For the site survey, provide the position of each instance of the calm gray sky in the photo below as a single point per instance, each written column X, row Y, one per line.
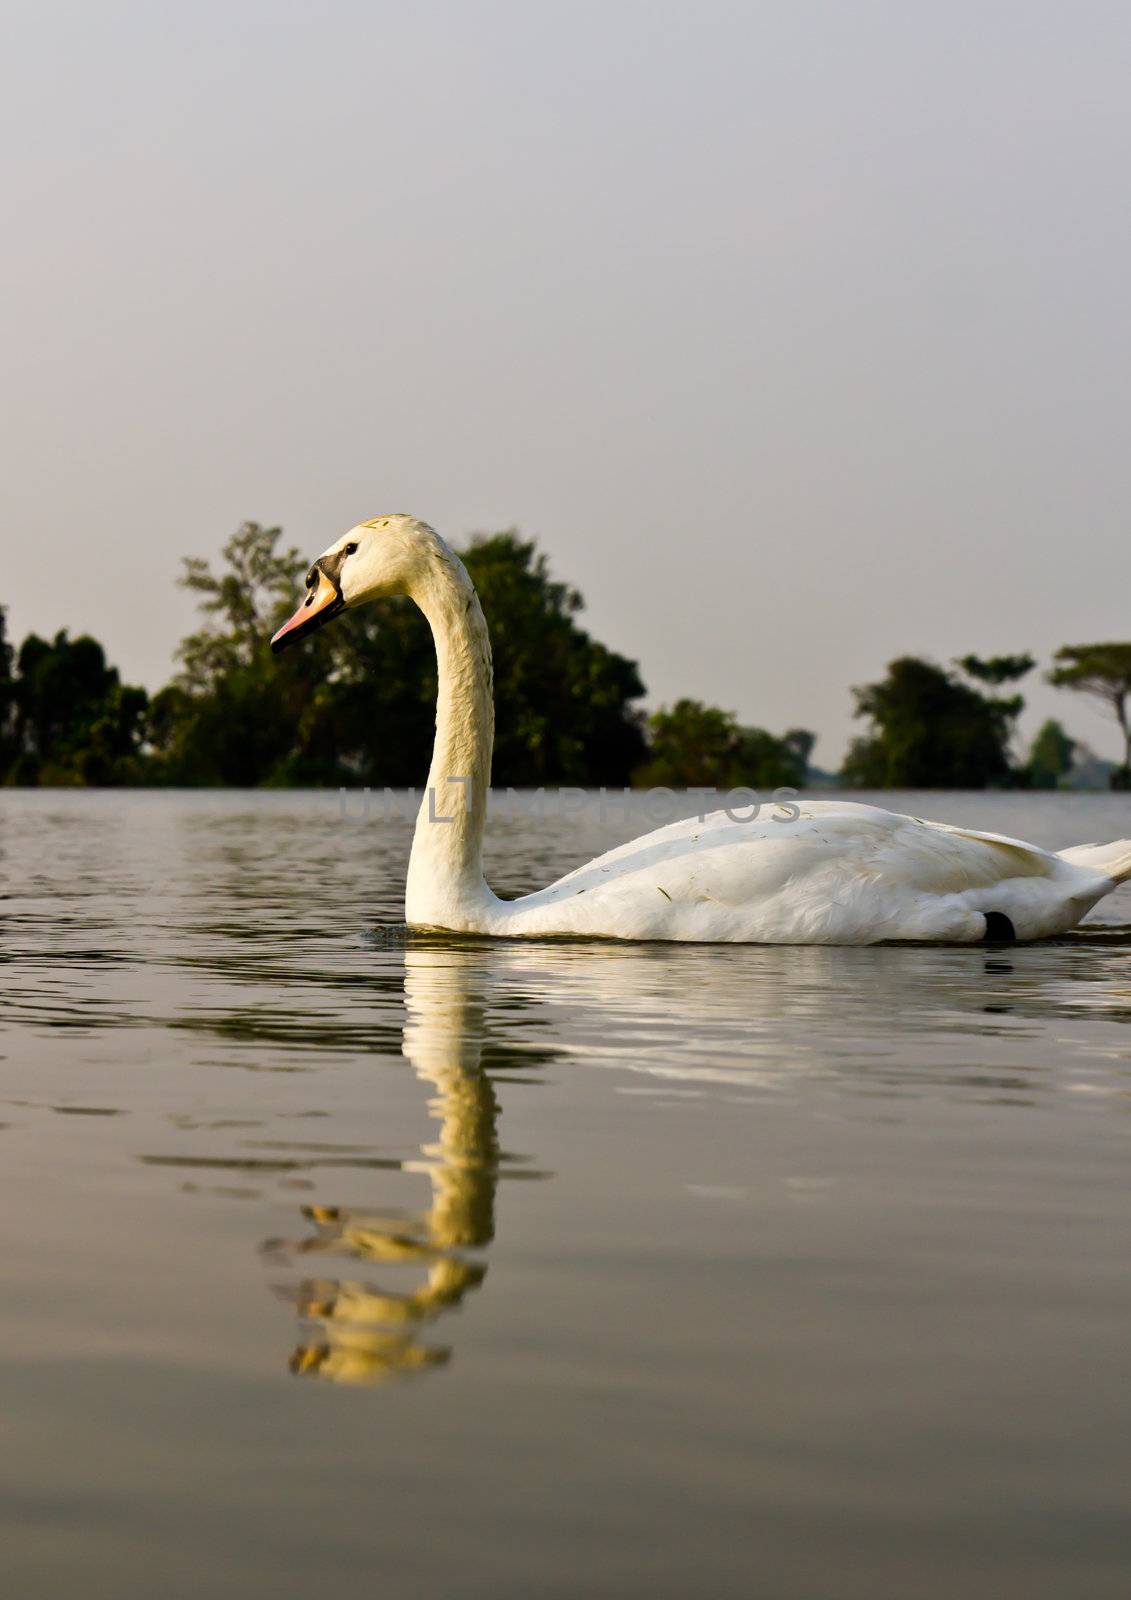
column 797, row 332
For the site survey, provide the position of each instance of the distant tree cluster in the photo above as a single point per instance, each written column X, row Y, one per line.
column 65, row 716
column 1104, row 672
column 934, row 729
column 692, row 745
column 357, row 706
column 931, row 730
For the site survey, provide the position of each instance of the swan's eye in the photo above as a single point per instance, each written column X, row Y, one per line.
column 351, row 550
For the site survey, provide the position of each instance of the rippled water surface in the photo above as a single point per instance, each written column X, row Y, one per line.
column 336, row 1262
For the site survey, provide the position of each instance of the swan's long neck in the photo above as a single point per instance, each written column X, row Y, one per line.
column 445, row 870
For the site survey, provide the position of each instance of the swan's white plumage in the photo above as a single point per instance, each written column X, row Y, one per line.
column 838, row 873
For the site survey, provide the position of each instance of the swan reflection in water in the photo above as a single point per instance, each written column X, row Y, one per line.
column 753, row 1022
column 366, row 1333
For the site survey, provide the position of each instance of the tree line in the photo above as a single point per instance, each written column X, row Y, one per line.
column 358, row 707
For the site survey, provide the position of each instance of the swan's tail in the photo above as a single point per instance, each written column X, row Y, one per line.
column 1113, row 860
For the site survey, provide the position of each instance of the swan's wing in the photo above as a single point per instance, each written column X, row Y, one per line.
column 935, row 858
column 835, row 873
column 760, row 853
column 715, row 829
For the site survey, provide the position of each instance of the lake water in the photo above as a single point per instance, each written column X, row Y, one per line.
column 339, row 1262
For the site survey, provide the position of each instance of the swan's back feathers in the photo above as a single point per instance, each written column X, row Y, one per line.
column 836, row 872
column 934, row 857
column 1110, row 860
column 930, row 857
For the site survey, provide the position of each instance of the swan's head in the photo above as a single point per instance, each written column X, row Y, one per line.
column 385, row 556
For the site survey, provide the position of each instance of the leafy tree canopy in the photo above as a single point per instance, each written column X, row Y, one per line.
column 358, row 703
column 929, row 731
column 693, row 745
column 1104, row 672
column 72, row 719
column 1050, row 759
column 997, row 669
column 7, row 700
column 234, row 714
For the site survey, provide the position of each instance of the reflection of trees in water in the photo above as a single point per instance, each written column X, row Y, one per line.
column 367, row 1332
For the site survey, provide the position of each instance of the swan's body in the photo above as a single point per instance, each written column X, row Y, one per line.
column 837, row 873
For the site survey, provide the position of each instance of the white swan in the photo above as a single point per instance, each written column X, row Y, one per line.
column 836, row 873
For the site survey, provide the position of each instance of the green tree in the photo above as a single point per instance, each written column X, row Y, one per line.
column 75, row 721
column 1104, row 672
column 563, row 700
column 233, row 714
column 692, row 745
column 1050, row 758
column 7, row 701
column 358, row 702
column 929, row 731
column 997, row 670
column 763, row 761
column 247, row 599
column 799, row 742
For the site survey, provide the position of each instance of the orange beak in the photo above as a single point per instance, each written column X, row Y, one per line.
column 323, row 601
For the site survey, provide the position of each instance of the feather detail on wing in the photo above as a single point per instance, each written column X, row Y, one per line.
column 1004, row 858
column 1112, row 860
